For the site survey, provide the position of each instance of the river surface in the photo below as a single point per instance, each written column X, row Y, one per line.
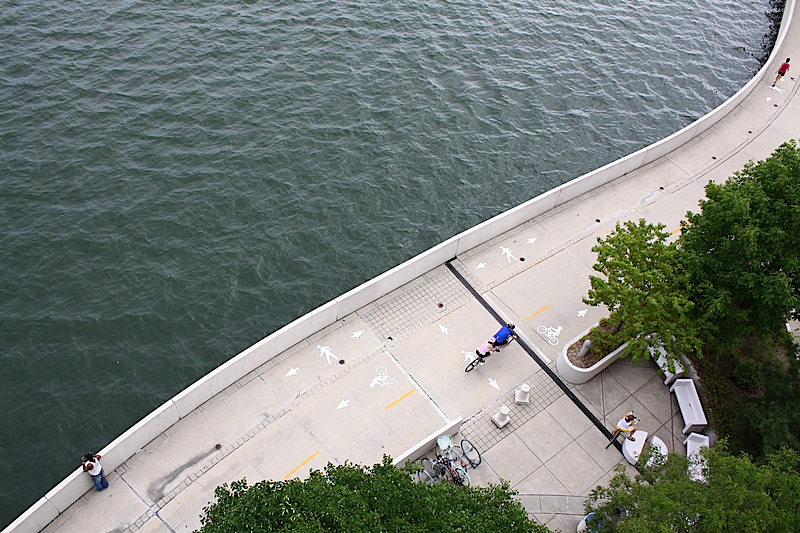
column 180, row 179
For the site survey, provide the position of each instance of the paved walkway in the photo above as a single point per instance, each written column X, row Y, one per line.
column 402, row 371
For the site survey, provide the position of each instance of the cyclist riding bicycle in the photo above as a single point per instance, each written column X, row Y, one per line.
column 500, row 339
column 503, row 337
column 486, row 349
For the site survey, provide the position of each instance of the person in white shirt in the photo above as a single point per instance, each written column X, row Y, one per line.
column 91, row 464
column 624, row 426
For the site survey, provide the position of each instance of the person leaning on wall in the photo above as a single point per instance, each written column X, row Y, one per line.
column 91, row 465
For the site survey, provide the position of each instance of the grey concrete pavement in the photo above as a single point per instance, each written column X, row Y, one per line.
column 401, row 374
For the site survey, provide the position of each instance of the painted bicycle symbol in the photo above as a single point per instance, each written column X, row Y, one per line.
column 382, row 379
column 551, row 333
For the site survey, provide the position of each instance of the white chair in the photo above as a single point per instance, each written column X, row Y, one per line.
column 632, row 449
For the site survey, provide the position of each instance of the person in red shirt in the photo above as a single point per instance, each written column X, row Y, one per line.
column 782, row 71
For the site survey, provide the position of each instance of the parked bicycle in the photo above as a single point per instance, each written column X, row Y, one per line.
column 443, row 468
column 452, row 462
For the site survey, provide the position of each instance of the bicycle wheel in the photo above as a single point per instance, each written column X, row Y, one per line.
column 428, row 470
column 460, row 477
column 471, row 453
column 473, row 364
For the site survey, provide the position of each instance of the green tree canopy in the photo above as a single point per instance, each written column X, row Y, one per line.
column 770, row 420
column 741, row 250
column 357, row 499
column 642, row 288
column 739, row 495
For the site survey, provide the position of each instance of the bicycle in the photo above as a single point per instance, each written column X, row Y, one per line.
column 443, row 468
column 475, row 362
column 481, row 358
column 459, row 457
column 467, row 454
column 452, row 463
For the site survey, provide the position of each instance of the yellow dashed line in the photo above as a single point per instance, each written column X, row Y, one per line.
column 401, row 398
column 537, row 312
column 301, row 464
column 676, row 231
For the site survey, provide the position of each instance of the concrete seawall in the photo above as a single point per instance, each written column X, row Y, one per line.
column 76, row 485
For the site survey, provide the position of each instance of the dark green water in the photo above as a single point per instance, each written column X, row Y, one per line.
column 180, row 179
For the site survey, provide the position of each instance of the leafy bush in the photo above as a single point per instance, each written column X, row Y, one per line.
column 739, row 495
column 748, row 375
column 604, row 340
column 354, row 498
column 765, row 422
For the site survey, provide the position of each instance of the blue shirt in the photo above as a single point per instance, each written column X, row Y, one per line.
column 502, row 336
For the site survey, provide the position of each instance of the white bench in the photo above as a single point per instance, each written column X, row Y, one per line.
column 632, row 449
column 661, row 361
column 697, row 462
column 694, row 418
column 659, row 446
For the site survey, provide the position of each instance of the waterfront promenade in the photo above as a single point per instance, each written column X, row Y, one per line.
column 383, row 378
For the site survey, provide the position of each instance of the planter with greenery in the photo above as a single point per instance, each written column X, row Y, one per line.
column 606, row 347
column 643, row 287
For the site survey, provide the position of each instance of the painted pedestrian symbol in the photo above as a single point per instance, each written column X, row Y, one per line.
column 507, row 252
column 326, row 351
column 383, row 379
column 551, row 333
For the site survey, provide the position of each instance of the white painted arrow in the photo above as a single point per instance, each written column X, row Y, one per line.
column 357, row 334
column 344, row 403
column 582, row 313
column 532, row 240
column 494, row 384
column 468, row 356
column 444, row 329
column 769, row 98
column 291, row 372
column 480, row 266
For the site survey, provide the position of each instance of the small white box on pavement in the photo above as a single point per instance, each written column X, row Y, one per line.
column 522, row 396
column 501, row 418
